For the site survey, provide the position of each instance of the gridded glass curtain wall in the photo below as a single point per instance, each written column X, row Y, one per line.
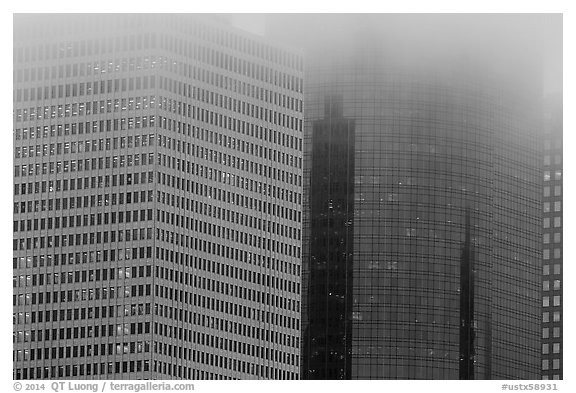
column 422, row 250
column 157, row 194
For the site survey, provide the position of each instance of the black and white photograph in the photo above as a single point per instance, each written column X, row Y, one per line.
column 286, row 196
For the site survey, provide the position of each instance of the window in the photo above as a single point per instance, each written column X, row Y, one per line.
column 558, row 175
column 557, row 190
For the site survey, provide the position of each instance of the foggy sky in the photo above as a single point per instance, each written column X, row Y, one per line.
column 510, row 42
column 504, row 41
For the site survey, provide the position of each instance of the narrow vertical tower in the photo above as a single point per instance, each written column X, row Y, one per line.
column 467, row 305
column 552, row 240
column 327, row 333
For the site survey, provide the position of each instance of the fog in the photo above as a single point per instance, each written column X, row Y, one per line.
column 507, row 43
column 514, row 44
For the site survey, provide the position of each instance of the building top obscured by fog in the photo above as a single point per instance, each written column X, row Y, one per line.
column 512, row 45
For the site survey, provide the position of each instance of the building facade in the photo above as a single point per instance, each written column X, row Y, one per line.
column 552, row 251
column 422, row 217
column 157, row 194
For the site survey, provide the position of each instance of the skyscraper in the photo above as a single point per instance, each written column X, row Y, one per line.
column 552, row 251
column 422, row 213
column 157, row 194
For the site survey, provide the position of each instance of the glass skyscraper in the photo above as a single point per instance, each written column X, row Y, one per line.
column 422, row 216
column 195, row 202
column 157, row 193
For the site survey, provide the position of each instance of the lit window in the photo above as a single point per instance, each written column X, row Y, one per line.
column 546, row 317
column 546, row 285
column 556, row 348
column 556, row 300
column 545, row 301
column 558, row 175
column 545, row 349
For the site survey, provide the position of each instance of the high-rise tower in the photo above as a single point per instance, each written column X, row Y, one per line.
column 422, row 234
column 157, row 193
column 552, row 238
